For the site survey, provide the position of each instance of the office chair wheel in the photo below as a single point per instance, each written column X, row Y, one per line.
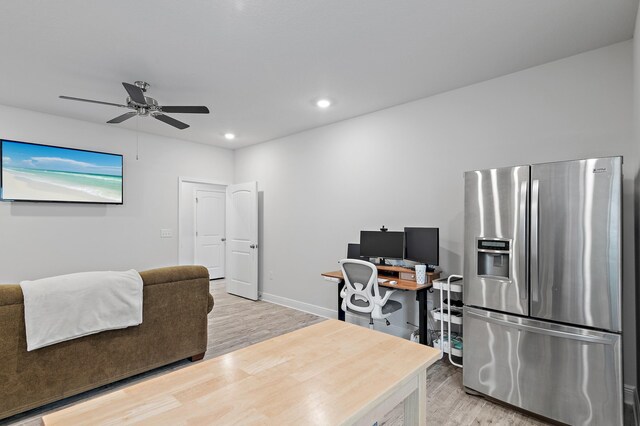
column 387, row 321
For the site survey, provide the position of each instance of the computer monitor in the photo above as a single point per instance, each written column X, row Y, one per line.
column 353, row 251
column 422, row 245
column 382, row 244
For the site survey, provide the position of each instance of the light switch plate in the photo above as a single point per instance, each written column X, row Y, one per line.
column 166, row 233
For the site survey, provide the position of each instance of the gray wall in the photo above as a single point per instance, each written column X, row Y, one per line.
column 403, row 167
column 38, row 240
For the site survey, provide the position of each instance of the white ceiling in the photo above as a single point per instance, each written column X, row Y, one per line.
column 258, row 65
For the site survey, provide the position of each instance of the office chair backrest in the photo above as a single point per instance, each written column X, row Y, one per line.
column 361, row 284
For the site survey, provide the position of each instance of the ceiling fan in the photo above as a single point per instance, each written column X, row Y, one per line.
column 144, row 106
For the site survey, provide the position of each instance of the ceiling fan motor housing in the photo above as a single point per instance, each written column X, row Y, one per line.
column 144, row 110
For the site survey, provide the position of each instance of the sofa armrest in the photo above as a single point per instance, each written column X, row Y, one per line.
column 174, row 274
column 10, row 294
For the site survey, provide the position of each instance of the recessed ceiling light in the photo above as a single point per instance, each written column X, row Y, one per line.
column 323, row 103
column 229, row 136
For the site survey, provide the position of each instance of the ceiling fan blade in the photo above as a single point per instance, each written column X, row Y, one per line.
column 171, row 121
column 92, row 101
column 186, row 109
column 136, row 93
column 121, row 118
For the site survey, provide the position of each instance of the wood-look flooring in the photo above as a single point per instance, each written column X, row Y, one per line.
column 236, row 322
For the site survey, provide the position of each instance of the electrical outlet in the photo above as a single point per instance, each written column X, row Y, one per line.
column 166, row 233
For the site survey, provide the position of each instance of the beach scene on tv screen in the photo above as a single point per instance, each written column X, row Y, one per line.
column 45, row 173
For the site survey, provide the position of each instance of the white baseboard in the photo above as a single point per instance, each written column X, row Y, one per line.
column 332, row 314
column 300, row 306
column 631, row 398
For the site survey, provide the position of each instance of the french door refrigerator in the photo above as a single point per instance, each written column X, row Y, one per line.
column 542, row 294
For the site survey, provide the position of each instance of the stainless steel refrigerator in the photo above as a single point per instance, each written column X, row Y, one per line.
column 542, row 270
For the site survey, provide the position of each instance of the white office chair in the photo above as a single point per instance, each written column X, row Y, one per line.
column 361, row 294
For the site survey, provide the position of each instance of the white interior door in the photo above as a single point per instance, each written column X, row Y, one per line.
column 210, row 227
column 242, row 240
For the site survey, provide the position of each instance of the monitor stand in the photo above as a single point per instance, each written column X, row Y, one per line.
column 382, row 262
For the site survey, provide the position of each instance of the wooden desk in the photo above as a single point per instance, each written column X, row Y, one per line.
column 401, row 284
column 406, row 285
column 331, row 373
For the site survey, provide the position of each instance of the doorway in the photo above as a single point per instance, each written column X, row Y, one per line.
column 211, row 213
column 201, row 227
column 209, row 249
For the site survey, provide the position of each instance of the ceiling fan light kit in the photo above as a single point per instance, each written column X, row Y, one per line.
column 145, row 106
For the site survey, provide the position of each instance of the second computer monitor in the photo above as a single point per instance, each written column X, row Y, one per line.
column 382, row 244
column 353, row 251
column 422, row 245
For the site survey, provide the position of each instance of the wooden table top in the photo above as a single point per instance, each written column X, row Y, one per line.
column 402, row 284
column 329, row 373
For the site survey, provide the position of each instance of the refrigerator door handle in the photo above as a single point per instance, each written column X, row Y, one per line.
column 539, row 330
column 523, row 232
column 535, row 284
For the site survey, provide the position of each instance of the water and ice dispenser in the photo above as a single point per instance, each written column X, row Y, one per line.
column 493, row 258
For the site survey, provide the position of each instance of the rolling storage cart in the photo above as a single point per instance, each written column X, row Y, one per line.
column 449, row 342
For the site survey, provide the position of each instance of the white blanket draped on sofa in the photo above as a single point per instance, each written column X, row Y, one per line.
column 71, row 306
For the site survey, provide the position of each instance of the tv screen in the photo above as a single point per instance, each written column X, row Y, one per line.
column 32, row 172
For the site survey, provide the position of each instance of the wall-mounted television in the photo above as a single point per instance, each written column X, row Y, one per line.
column 45, row 173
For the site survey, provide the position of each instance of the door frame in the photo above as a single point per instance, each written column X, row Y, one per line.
column 181, row 213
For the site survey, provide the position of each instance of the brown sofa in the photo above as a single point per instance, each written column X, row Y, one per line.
column 174, row 327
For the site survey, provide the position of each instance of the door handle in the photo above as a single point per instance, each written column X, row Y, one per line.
column 535, row 219
column 253, row 246
column 223, row 239
column 523, row 244
column 539, row 330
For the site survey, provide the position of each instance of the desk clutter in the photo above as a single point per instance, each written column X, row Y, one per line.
column 395, row 277
column 404, row 273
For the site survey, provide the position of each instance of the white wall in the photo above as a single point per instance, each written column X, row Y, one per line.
column 38, row 240
column 403, row 167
